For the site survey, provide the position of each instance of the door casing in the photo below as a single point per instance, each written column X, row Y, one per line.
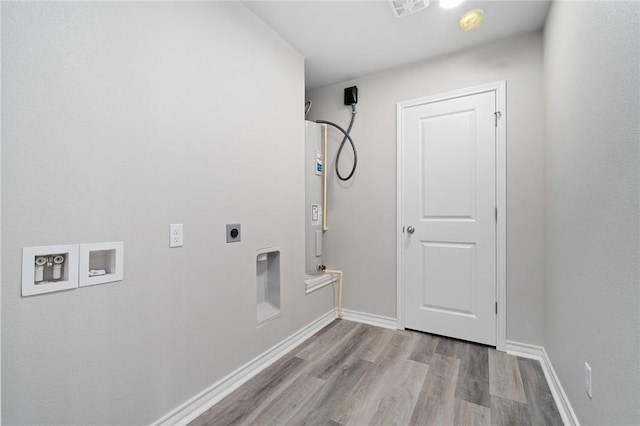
column 500, row 88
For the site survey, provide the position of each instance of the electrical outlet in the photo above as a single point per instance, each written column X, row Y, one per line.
column 175, row 235
column 587, row 380
column 233, row 233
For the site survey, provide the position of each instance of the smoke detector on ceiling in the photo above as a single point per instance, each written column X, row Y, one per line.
column 401, row 8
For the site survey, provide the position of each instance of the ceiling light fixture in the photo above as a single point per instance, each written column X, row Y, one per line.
column 401, row 8
column 450, row 4
column 471, row 20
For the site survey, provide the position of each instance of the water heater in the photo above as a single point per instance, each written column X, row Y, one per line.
column 315, row 199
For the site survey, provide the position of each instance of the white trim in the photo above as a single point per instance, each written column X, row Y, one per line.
column 200, row 403
column 560, row 397
column 524, row 350
column 500, row 88
column 371, row 319
column 0, row 227
column 316, row 282
column 501, row 226
column 399, row 217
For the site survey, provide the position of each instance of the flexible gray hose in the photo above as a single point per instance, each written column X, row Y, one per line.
column 346, row 136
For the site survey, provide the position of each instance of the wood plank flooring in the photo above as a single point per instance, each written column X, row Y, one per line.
column 355, row 374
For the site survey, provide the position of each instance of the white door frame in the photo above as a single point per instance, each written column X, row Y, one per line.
column 500, row 89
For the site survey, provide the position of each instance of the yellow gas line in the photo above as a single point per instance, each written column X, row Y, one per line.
column 324, row 213
column 324, row 177
column 340, row 274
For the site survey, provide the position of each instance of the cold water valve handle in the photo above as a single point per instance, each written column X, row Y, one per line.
column 57, row 266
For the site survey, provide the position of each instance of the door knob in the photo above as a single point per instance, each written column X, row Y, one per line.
column 411, row 229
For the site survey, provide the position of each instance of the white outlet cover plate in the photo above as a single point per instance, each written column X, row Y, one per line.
column 176, row 236
column 29, row 254
column 117, row 263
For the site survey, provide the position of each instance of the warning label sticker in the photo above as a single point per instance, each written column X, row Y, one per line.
column 318, row 169
column 316, row 214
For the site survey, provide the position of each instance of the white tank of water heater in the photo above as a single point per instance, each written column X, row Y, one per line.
column 314, row 196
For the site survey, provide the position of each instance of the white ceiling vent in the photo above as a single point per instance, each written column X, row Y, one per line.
column 401, row 8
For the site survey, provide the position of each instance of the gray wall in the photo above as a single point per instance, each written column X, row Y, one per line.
column 119, row 119
column 362, row 216
column 592, row 297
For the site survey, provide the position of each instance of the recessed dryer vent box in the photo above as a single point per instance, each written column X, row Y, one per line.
column 49, row 268
column 268, row 284
column 101, row 263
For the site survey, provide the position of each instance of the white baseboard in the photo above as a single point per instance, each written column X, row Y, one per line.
column 371, row 319
column 200, row 403
column 538, row 353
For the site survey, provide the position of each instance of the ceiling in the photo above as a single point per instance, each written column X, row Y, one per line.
column 343, row 40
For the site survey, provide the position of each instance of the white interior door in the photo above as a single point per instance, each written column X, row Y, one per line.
column 449, row 217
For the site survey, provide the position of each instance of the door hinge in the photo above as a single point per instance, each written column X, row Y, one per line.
column 496, row 210
column 496, row 308
column 497, row 115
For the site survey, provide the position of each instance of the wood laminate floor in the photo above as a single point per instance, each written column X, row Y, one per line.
column 355, row 374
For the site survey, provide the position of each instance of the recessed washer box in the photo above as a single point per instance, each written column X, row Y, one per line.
column 101, row 263
column 49, row 268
